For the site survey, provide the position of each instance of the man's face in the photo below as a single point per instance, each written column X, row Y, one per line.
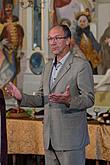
column 83, row 22
column 57, row 41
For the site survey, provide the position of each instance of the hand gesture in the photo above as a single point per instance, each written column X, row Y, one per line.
column 62, row 98
column 13, row 91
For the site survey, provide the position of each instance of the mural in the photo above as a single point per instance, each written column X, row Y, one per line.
column 67, row 9
column 86, row 41
column 11, row 40
column 105, row 49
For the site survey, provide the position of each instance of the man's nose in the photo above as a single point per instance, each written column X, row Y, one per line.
column 54, row 40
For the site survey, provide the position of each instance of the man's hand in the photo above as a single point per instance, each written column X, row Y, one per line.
column 13, row 91
column 62, row 98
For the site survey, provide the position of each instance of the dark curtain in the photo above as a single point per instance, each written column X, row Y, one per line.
column 3, row 130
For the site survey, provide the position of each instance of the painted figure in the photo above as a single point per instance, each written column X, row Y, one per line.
column 12, row 38
column 65, row 9
column 105, row 50
column 86, row 40
column 8, row 14
column 6, row 70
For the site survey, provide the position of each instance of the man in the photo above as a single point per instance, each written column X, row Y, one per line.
column 66, row 92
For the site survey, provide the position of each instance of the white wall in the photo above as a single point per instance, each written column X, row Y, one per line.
column 103, row 16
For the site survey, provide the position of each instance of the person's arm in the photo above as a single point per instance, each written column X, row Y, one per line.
column 13, row 91
column 36, row 100
column 25, row 100
column 85, row 84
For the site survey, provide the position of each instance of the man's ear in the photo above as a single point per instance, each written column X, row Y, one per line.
column 68, row 41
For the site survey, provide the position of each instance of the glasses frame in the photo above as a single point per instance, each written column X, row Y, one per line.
column 56, row 38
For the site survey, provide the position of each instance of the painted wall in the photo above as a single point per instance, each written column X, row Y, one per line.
column 102, row 99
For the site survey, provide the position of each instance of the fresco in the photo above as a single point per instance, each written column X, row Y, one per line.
column 11, row 41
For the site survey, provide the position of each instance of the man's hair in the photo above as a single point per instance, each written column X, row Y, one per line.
column 67, row 32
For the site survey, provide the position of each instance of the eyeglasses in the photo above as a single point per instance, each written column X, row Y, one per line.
column 56, row 38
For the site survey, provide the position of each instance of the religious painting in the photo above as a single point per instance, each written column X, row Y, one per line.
column 11, row 41
column 65, row 12
column 103, row 34
column 74, row 13
column 68, row 9
column 15, row 7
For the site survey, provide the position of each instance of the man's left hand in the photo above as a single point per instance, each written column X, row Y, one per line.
column 62, row 98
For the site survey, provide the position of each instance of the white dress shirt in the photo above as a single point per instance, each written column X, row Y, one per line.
column 57, row 68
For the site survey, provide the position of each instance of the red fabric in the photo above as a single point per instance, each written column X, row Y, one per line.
column 58, row 4
column 61, row 3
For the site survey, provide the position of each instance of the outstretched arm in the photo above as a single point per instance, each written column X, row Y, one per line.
column 13, row 91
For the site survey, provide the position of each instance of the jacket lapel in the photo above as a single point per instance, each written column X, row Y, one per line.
column 67, row 65
column 63, row 70
column 47, row 75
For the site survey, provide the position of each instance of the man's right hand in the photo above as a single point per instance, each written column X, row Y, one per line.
column 13, row 91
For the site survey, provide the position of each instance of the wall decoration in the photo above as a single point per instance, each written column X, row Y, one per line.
column 67, row 10
column 11, row 37
column 37, row 62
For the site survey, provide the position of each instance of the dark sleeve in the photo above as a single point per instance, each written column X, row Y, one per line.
column 95, row 43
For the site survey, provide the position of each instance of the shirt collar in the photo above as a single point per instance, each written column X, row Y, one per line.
column 63, row 59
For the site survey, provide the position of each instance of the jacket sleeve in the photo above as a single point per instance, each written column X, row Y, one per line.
column 36, row 100
column 85, row 84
